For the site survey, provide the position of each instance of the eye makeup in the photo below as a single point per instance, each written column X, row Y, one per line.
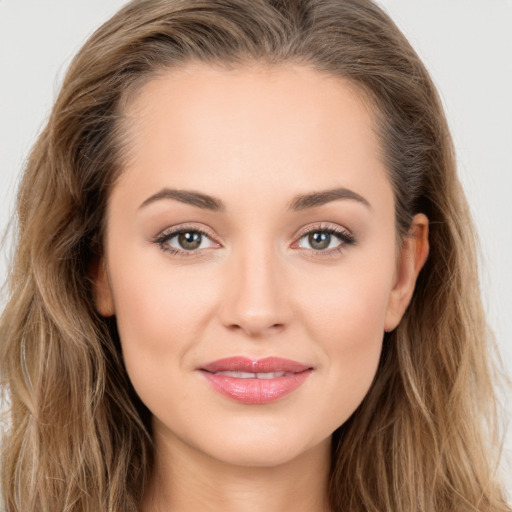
column 186, row 241
column 318, row 240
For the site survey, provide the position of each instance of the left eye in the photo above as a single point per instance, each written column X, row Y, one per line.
column 187, row 240
column 322, row 240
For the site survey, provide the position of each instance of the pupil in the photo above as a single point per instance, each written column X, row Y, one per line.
column 189, row 240
column 319, row 240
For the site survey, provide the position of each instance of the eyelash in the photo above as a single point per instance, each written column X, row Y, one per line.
column 163, row 239
column 344, row 236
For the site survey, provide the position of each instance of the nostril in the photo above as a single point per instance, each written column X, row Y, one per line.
column 255, row 330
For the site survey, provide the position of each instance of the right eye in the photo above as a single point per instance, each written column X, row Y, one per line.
column 185, row 241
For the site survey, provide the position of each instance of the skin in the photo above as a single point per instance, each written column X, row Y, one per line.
column 255, row 138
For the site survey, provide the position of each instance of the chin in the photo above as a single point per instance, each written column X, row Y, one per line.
column 265, row 448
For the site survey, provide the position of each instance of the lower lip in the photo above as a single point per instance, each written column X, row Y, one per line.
column 256, row 391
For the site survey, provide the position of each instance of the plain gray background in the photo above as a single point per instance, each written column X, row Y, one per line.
column 466, row 45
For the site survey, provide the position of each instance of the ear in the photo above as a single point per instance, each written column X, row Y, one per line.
column 102, row 292
column 412, row 257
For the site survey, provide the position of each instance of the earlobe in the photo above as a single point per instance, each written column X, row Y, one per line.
column 412, row 258
column 103, row 299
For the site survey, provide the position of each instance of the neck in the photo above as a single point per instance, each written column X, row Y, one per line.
column 185, row 480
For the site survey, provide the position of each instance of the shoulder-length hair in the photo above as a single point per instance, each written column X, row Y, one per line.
column 79, row 439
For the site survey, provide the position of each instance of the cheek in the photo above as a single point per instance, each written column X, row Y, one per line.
column 348, row 304
column 346, row 318
column 160, row 314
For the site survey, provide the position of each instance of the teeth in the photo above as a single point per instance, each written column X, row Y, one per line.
column 238, row 375
column 270, row 375
column 248, row 375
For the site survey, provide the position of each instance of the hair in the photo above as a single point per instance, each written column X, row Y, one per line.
column 78, row 438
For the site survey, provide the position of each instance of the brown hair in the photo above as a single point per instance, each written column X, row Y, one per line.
column 78, row 437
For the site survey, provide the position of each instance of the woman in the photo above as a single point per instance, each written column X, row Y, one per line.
column 245, row 275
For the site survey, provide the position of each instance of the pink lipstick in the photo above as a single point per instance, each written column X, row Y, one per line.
column 255, row 382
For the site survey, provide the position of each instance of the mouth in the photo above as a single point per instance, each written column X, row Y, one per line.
column 255, row 381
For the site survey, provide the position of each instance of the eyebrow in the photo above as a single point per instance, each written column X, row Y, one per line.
column 203, row 201
column 316, row 199
column 301, row 202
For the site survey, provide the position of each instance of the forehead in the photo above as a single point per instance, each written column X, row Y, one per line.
column 263, row 127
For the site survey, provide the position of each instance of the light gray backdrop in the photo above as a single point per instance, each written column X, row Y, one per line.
column 466, row 44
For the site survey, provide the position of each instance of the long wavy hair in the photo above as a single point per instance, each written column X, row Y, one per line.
column 78, row 439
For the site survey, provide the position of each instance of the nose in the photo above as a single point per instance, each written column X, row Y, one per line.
column 254, row 296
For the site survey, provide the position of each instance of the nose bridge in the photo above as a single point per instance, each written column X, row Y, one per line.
column 254, row 299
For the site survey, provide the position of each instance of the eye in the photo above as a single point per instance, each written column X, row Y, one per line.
column 325, row 239
column 185, row 240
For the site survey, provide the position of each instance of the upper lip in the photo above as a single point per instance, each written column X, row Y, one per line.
column 264, row 365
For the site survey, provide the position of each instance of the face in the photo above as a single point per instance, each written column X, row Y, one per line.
column 251, row 259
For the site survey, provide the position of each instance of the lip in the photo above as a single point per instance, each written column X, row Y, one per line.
column 251, row 390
